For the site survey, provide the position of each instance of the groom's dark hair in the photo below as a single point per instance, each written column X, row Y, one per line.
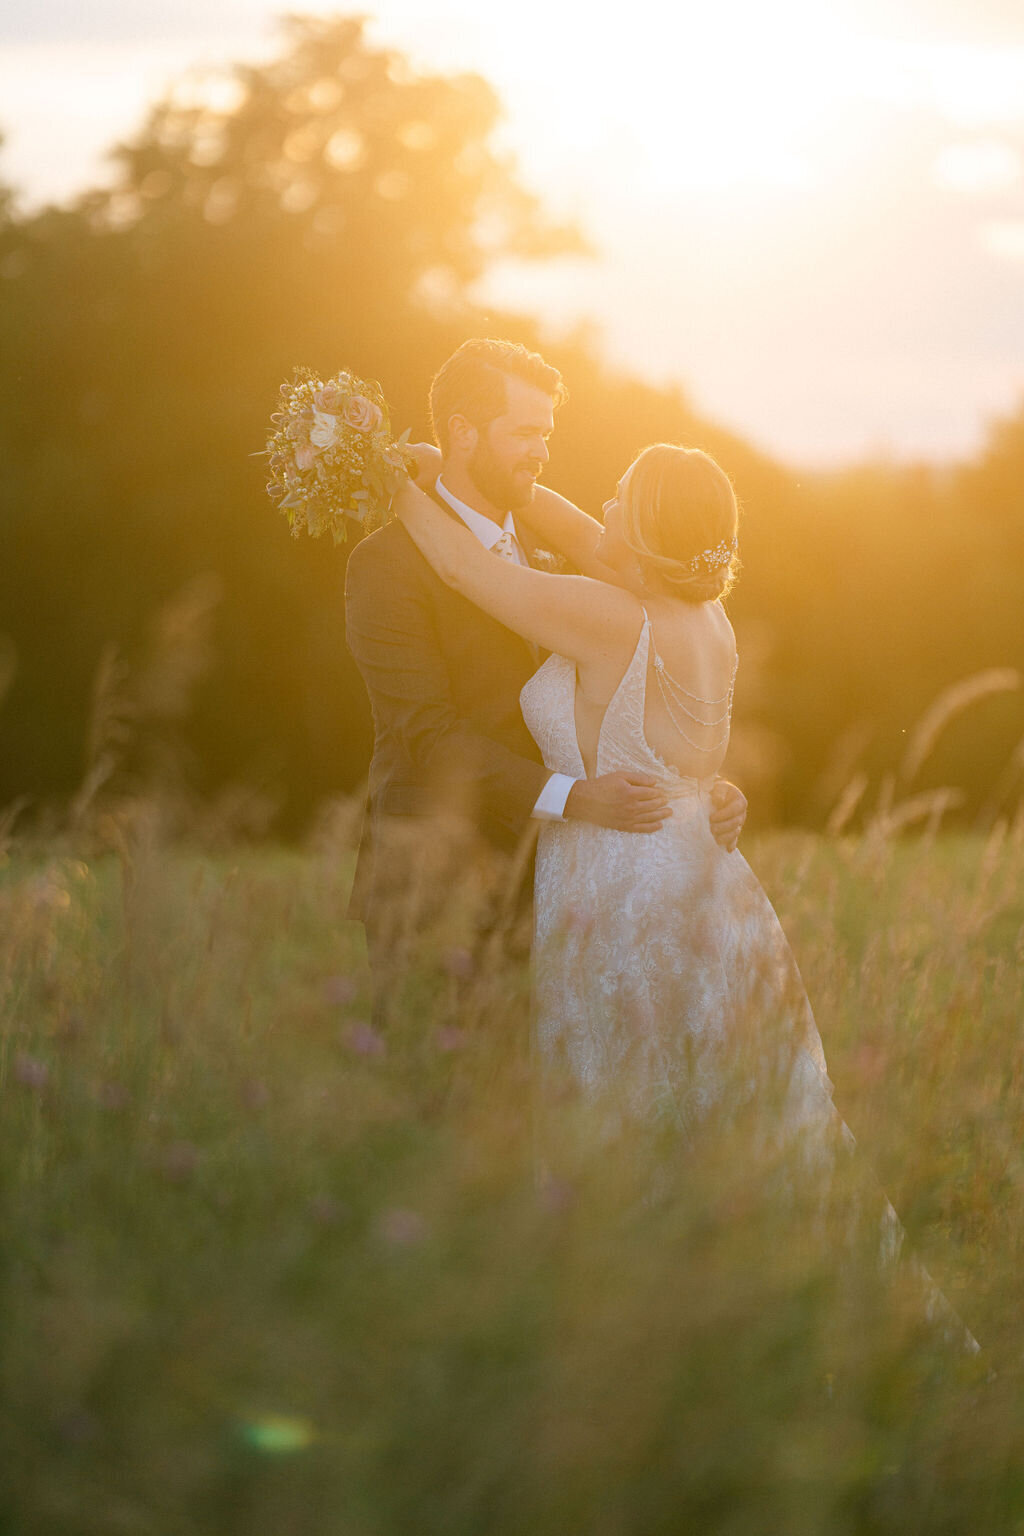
column 472, row 383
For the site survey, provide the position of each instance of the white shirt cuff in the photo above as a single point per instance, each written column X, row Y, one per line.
column 550, row 804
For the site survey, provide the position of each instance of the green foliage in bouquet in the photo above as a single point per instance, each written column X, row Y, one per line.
column 332, row 456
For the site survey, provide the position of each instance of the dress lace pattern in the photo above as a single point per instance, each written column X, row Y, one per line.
column 664, row 982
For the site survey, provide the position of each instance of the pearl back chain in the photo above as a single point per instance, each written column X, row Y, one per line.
column 674, row 693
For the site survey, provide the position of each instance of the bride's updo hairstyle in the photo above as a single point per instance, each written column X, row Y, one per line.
column 680, row 519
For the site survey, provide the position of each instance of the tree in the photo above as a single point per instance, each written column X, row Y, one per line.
column 311, row 209
column 336, row 163
column 334, row 207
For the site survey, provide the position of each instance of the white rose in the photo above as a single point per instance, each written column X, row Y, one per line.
column 324, row 431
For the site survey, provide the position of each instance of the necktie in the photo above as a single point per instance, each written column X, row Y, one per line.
column 506, row 548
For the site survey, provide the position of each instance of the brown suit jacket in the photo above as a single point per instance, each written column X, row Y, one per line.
column 443, row 679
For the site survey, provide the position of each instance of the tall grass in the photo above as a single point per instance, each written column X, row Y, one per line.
column 268, row 1268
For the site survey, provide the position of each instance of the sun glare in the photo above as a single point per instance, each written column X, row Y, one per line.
column 1004, row 238
column 730, row 100
column 743, row 172
column 980, row 167
column 713, row 98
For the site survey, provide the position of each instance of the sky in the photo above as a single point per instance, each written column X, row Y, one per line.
column 809, row 214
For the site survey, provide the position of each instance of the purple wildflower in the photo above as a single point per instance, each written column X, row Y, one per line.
column 402, row 1228
column 365, row 1041
column 449, row 1038
column 340, row 990
column 180, row 1161
column 30, row 1072
column 458, row 962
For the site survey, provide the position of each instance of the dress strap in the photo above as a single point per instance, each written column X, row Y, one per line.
column 641, row 652
column 644, row 645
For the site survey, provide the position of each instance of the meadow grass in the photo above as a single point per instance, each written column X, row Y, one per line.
column 269, row 1270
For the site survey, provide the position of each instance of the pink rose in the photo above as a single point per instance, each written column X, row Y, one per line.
column 361, row 414
column 305, row 456
column 330, row 399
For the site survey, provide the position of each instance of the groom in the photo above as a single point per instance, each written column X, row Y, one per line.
column 456, row 781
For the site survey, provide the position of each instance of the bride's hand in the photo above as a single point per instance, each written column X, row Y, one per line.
column 428, row 462
column 728, row 813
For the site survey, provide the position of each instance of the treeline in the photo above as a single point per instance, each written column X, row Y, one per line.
column 157, row 624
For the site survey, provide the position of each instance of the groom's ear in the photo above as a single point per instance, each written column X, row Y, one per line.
column 462, row 435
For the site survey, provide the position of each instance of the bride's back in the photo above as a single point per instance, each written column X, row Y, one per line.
column 687, row 686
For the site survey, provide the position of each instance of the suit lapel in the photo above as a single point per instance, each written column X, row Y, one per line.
column 528, row 549
column 526, row 543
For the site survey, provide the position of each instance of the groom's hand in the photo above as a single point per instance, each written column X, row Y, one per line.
column 728, row 813
column 626, row 802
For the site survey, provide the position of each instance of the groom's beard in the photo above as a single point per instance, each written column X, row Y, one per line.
column 506, row 489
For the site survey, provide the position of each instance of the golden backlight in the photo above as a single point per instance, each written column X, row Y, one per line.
column 744, row 173
column 702, row 97
column 728, row 97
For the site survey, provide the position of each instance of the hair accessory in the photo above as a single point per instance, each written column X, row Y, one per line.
column 711, row 559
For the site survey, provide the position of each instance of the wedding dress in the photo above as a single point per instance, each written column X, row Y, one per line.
column 665, row 989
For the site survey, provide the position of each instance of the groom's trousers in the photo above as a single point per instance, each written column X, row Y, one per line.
column 448, row 916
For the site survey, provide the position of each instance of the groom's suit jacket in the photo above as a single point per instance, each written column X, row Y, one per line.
column 443, row 679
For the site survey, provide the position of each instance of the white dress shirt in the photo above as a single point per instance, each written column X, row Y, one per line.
column 550, row 804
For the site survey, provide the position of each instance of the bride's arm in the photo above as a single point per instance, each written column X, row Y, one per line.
column 562, row 526
column 574, row 615
column 552, row 519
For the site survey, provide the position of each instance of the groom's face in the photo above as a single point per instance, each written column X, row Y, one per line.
column 511, row 450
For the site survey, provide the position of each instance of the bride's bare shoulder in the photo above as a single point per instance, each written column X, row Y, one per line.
column 722, row 619
column 696, row 629
column 622, row 607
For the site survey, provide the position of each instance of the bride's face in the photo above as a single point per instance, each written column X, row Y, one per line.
column 612, row 549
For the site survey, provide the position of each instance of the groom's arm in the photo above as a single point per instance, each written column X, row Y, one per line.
column 390, row 632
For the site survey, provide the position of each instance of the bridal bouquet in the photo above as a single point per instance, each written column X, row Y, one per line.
column 331, row 454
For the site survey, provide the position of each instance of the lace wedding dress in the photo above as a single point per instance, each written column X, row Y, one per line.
column 665, row 988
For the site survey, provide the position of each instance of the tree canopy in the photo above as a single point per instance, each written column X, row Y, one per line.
column 336, row 207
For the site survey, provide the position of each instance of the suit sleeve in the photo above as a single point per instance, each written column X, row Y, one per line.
column 391, row 634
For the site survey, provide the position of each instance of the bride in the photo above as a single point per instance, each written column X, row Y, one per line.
column 666, row 991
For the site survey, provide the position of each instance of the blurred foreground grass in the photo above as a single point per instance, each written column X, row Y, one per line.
column 266, row 1271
